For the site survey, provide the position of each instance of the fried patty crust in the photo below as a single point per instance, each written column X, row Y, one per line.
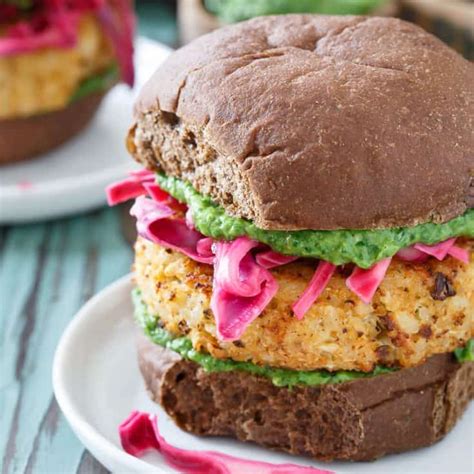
column 419, row 310
column 45, row 80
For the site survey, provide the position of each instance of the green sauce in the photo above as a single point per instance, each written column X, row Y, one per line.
column 465, row 354
column 362, row 247
column 98, row 83
column 279, row 377
column 237, row 10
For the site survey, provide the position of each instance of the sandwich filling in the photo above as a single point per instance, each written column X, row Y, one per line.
column 213, row 289
column 242, row 259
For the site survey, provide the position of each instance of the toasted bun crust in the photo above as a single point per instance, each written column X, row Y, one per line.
column 24, row 138
column 358, row 420
column 315, row 122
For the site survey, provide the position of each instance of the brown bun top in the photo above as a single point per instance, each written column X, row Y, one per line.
column 318, row 122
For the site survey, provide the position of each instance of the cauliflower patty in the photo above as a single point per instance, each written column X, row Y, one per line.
column 406, row 322
column 45, row 80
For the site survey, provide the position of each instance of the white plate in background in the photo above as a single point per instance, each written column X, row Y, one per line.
column 72, row 178
column 97, row 384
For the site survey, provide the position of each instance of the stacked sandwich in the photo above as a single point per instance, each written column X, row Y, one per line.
column 57, row 60
column 304, row 270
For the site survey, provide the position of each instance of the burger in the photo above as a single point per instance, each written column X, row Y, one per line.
column 57, row 60
column 304, row 267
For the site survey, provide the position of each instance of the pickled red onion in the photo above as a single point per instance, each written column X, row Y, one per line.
column 313, row 291
column 364, row 283
column 137, row 184
column 119, row 23
column 459, row 253
column 438, row 251
column 124, row 190
column 271, row 259
column 155, row 224
column 418, row 253
column 139, row 433
column 411, row 254
column 241, row 288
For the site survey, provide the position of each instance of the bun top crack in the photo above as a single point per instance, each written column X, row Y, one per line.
column 315, row 122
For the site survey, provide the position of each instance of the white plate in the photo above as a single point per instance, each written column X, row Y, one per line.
column 72, row 178
column 97, row 384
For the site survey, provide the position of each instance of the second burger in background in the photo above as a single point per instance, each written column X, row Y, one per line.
column 57, row 60
column 197, row 17
column 231, row 11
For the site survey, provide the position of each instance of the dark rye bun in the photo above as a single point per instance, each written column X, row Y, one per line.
column 315, row 122
column 359, row 420
column 26, row 137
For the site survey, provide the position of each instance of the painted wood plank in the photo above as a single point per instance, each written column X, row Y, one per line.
column 89, row 465
column 40, row 343
column 157, row 20
column 73, row 259
column 16, row 284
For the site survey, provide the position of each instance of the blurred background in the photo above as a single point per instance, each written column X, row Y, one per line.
column 178, row 21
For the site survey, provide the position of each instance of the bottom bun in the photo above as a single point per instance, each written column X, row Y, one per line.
column 359, row 420
column 26, row 137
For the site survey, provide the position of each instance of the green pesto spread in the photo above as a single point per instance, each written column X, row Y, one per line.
column 98, row 83
column 362, row 247
column 279, row 377
column 465, row 354
column 237, row 10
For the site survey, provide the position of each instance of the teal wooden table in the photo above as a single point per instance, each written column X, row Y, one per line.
column 47, row 272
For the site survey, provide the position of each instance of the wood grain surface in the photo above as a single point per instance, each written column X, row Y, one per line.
column 47, row 272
